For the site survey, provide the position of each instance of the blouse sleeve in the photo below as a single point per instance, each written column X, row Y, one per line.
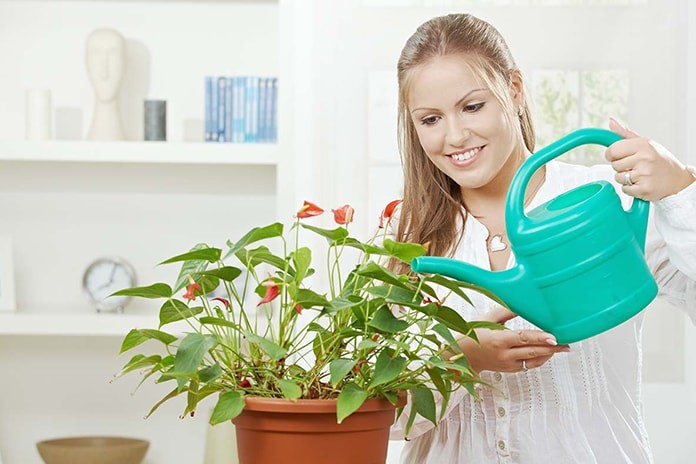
column 671, row 252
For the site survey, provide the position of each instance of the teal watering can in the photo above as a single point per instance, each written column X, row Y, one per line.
column 580, row 267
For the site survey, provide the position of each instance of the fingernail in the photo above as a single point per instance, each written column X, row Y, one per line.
column 551, row 341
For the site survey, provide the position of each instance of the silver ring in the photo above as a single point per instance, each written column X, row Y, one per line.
column 627, row 179
column 524, row 365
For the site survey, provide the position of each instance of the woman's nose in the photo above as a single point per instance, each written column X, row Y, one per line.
column 457, row 135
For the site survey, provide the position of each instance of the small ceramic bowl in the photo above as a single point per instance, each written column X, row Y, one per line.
column 93, row 450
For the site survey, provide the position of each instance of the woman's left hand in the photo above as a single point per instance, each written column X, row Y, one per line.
column 644, row 168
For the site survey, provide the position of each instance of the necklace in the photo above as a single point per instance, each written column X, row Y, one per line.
column 495, row 242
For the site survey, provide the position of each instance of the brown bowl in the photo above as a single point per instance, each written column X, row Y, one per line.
column 93, row 450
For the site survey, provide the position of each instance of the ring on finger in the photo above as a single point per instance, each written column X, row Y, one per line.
column 627, row 179
column 524, row 365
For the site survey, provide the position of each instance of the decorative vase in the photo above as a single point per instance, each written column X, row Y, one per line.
column 273, row 430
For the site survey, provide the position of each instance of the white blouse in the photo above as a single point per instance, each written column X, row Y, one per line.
column 579, row 407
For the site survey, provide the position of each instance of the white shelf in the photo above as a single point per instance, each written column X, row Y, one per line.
column 140, row 152
column 100, row 325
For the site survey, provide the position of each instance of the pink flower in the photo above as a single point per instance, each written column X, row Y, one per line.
column 343, row 215
column 298, row 308
column 223, row 301
column 388, row 212
column 271, row 292
column 308, row 210
column 191, row 291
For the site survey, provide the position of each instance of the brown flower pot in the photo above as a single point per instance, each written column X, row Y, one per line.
column 272, row 431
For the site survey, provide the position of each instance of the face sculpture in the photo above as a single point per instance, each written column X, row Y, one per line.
column 106, row 63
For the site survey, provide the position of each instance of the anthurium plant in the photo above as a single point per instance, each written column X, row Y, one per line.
column 372, row 332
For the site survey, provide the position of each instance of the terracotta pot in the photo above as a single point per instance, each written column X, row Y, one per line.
column 272, row 431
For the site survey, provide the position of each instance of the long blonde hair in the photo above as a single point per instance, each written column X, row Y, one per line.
column 432, row 200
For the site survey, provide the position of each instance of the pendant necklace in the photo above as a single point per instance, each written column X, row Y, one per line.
column 495, row 242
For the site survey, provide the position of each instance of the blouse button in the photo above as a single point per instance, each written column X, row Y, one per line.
column 498, row 376
column 501, row 411
column 501, row 444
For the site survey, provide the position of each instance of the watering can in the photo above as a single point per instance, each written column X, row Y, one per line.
column 581, row 267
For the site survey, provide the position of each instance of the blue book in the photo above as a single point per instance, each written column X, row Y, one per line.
column 229, row 109
column 252, row 109
column 222, row 86
column 208, row 135
column 261, row 117
column 239, row 109
column 213, row 110
column 273, row 131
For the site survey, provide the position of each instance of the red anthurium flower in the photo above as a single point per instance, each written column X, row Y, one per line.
column 223, row 301
column 375, row 337
column 344, row 214
column 191, row 291
column 388, row 212
column 271, row 292
column 245, row 383
column 308, row 210
column 298, row 308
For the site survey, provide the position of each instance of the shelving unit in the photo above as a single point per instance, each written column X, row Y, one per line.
column 64, row 203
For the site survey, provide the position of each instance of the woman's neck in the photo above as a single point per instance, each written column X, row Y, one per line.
column 490, row 199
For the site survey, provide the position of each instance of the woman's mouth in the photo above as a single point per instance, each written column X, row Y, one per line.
column 463, row 157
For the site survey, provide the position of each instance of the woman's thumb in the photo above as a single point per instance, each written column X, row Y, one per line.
column 620, row 129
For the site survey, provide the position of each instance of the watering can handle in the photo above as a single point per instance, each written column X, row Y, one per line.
column 514, row 208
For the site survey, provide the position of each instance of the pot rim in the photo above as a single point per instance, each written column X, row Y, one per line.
column 323, row 406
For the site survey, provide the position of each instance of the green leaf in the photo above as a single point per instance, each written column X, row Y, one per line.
column 138, row 336
column 139, row 361
column 158, row 290
column 340, row 304
column 228, row 406
column 385, row 321
column 190, row 354
column 387, row 368
column 339, row 368
column 172, row 394
column 375, row 271
column 302, row 259
column 367, row 344
column 176, row 310
column 453, row 285
column 445, row 333
column 452, row 319
column 334, row 235
column 226, row 273
column 254, row 235
column 208, row 283
column 349, row 400
column 252, row 258
column 364, row 247
column 210, row 373
column 191, row 267
column 271, row 348
column 309, row 299
column 218, row 321
column 424, row 403
column 290, row 389
column 404, row 252
column 209, row 254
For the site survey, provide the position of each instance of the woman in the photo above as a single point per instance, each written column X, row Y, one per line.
column 465, row 129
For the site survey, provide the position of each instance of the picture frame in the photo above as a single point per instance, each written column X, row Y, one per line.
column 7, row 285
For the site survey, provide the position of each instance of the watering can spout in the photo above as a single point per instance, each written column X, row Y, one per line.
column 512, row 287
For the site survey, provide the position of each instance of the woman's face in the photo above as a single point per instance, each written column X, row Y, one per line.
column 460, row 124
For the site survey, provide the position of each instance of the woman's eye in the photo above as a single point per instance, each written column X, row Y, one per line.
column 429, row 121
column 473, row 108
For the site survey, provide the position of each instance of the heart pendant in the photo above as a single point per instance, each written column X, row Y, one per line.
column 496, row 243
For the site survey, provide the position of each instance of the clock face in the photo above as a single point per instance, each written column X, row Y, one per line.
column 104, row 277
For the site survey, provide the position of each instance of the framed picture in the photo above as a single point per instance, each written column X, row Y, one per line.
column 7, row 290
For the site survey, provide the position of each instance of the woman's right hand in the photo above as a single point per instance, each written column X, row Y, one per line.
column 504, row 350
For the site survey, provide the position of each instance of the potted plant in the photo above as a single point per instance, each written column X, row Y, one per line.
column 358, row 347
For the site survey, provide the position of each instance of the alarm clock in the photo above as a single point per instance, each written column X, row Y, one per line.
column 105, row 276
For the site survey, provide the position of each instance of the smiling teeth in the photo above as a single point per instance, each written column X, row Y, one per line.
column 466, row 155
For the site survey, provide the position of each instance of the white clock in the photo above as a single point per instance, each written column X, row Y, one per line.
column 104, row 277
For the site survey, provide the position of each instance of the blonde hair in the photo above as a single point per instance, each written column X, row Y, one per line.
column 432, row 200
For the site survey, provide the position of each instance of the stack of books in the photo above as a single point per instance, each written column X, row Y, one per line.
column 241, row 109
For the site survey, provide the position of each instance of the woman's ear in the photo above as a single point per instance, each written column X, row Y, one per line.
column 517, row 89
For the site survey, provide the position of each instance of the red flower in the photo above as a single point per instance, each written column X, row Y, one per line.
column 245, row 383
column 388, row 212
column 271, row 292
column 223, row 301
column 298, row 308
column 191, row 289
column 343, row 215
column 308, row 210
column 375, row 337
